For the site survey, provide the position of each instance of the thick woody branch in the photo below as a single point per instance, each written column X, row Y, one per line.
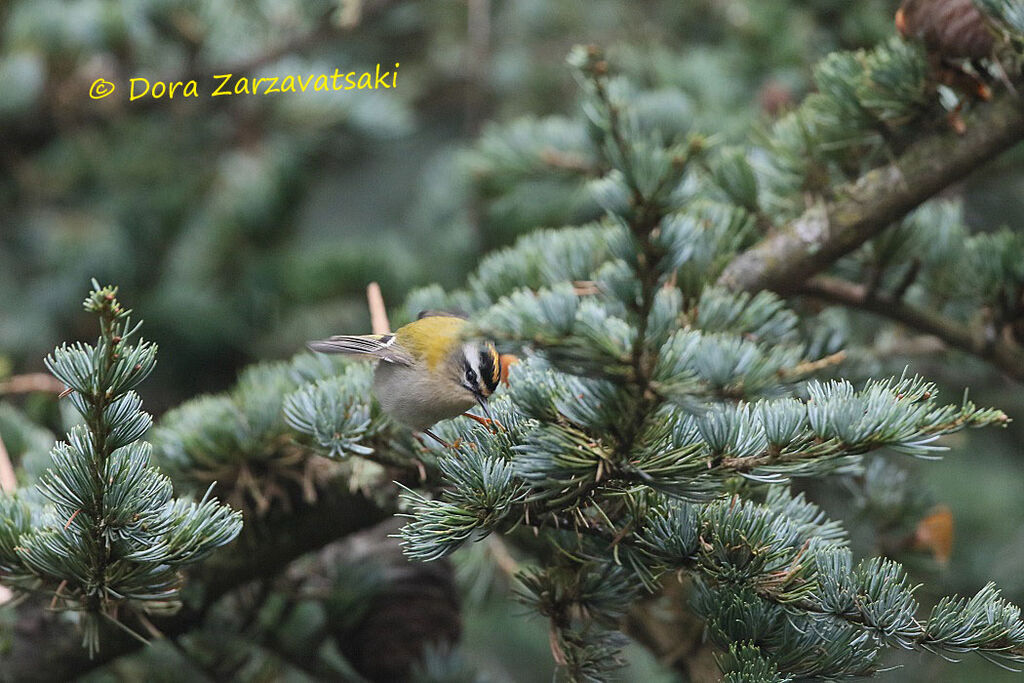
column 786, row 258
column 1001, row 352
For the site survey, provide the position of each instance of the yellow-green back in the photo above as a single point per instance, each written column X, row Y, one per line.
column 431, row 338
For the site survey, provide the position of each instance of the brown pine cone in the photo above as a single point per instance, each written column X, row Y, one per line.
column 950, row 29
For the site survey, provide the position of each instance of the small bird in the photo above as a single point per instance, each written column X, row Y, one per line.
column 426, row 371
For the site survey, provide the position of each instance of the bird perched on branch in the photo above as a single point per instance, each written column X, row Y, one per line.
column 427, row 371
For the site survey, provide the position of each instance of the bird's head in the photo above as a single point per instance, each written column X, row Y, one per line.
column 476, row 367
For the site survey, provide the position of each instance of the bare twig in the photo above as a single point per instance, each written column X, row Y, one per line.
column 1001, row 352
column 502, row 557
column 30, row 382
column 8, row 482
column 812, row 366
column 333, row 24
column 379, row 322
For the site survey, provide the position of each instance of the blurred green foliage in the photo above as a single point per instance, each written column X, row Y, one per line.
column 244, row 226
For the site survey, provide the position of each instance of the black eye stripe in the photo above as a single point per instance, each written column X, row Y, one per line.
column 481, row 368
column 490, row 369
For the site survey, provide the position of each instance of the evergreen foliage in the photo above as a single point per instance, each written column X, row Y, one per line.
column 101, row 530
column 651, row 433
column 228, row 207
column 655, row 424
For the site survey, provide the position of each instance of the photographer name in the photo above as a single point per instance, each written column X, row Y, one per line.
column 226, row 85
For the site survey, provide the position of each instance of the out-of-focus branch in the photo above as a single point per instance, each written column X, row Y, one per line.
column 786, row 258
column 8, row 482
column 379, row 323
column 1001, row 352
column 33, row 381
column 334, row 24
column 672, row 633
column 263, row 550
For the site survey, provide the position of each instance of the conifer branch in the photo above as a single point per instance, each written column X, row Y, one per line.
column 735, row 545
column 261, row 552
column 646, row 212
column 112, row 538
column 649, row 385
column 786, row 258
column 998, row 349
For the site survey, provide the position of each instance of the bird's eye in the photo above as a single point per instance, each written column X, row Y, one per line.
column 471, row 377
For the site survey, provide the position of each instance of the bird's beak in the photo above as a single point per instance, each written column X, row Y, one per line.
column 483, row 405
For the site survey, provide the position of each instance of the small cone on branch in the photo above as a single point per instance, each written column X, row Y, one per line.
column 949, row 29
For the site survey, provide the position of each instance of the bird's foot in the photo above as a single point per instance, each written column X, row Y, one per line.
column 433, row 436
column 454, row 446
column 492, row 425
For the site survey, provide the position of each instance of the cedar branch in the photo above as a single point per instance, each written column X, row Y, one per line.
column 998, row 350
column 786, row 258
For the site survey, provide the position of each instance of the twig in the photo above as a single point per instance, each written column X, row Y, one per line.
column 502, row 557
column 8, row 481
column 1001, row 352
column 379, row 322
column 567, row 161
column 56, row 594
column 31, row 382
column 907, row 279
column 333, row 24
column 153, row 631
column 350, row 13
column 810, row 366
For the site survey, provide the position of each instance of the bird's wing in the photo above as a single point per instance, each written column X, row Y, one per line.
column 380, row 346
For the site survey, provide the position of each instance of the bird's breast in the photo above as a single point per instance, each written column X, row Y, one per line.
column 417, row 398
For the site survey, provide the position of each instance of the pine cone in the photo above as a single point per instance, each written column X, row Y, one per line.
column 950, row 29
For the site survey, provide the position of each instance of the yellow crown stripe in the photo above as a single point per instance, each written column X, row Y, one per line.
column 496, row 364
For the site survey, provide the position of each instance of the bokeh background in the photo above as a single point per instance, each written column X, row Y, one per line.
column 240, row 227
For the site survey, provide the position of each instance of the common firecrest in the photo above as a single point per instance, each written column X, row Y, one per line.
column 427, row 371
